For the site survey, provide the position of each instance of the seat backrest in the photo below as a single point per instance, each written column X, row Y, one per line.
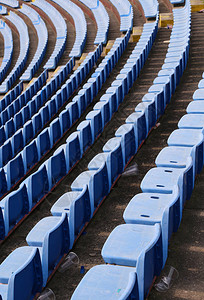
column 27, row 280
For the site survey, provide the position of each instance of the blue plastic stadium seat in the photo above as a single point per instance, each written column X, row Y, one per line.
column 198, row 94
column 21, row 268
column 96, row 186
column 77, row 206
column 147, row 108
column 85, row 134
column 14, row 207
column 28, row 132
column 37, row 186
column 37, row 123
column 136, row 245
column 103, row 281
column 55, row 131
column 44, row 111
column 9, row 128
column 25, row 113
column 56, row 167
column 95, row 119
column 158, row 90
column 18, row 120
column 150, row 208
column 104, row 107
column 3, row 183
column 64, row 119
column 139, row 121
column 14, row 170
column 5, row 153
column 51, row 236
column 73, row 151
column 17, row 142
column 195, row 107
column 43, row 142
column 164, row 179
column 52, row 107
column 72, row 107
column 30, row 156
column 192, row 138
column 115, row 165
column 127, row 135
column 80, row 100
column 2, row 135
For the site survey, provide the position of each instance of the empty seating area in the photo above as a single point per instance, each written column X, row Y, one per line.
column 8, row 49
column 23, row 55
column 68, row 134
column 42, row 34
column 80, row 26
column 61, row 32
column 126, row 13
column 102, row 20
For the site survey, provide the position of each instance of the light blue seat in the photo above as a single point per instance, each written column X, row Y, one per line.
column 9, row 128
column 64, row 119
column 14, row 170
column 85, row 134
column 3, row 134
column 115, row 165
column 14, row 207
column 164, row 81
column 117, row 84
column 192, row 121
column 124, row 81
column 55, row 131
column 158, row 90
column 99, row 163
column 43, row 142
column 5, row 153
column 72, row 150
column 169, row 73
column 72, row 107
column 164, row 179
column 104, row 282
column 77, row 207
column 136, row 245
column 21, row 268
column 17, row 142
column 37, row 122
column 80, row 100
column 3, row 183
column 37, row 186
column 49, row 232
column 18, row 120
column 96, row 186
column 192, row 138
column 28, row 132
column 104, row 107
column 111, row 98
column 127, row 135
column 195, row 107
column 30, row 156
column 52, row 107
column 95, row 119
column 150, row 208
column 44, row 111
column 139, row 121
column 179, row 157
column 148, row 109
column 198, row 94
column 56, row 167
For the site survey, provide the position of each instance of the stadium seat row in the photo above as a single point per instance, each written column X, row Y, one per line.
column 61, row 32
column 8, row 49
column 39, row 119
column 23, row 55
column 80, row 26
column 16, row 138
column 11, row 3
column 125, row 11
column 102, row 19
column 137, row 251
column 18, row 99
column 42, row 36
